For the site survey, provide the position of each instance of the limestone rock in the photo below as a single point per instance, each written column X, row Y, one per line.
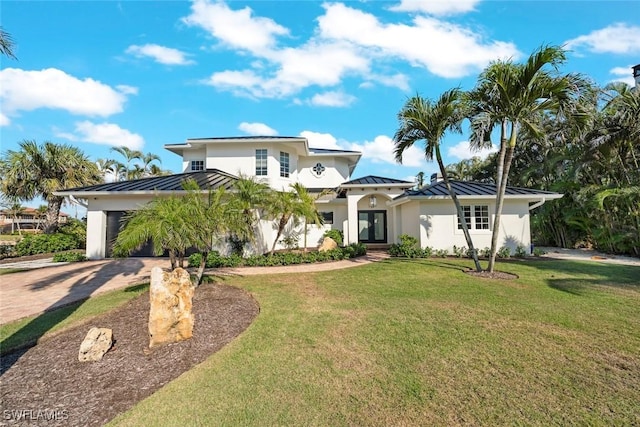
column 97, row 342
column 327, row 244
column 170, row 315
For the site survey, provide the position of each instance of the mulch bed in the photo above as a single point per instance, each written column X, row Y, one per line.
column 492, row 275
column 47, row 381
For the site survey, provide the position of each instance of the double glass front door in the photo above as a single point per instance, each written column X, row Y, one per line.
column 372, row 226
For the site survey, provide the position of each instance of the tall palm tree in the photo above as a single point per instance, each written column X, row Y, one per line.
column 513, row 96
column 127, row 170
column 420, row 180
column 423, row 120
column 41, row 170
column 249, row 196
column 6, row 44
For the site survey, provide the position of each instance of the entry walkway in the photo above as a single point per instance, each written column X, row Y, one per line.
column 39, row 288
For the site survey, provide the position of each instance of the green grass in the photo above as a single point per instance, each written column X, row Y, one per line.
column 421, row 343
column 10, row 270
column 28, row 330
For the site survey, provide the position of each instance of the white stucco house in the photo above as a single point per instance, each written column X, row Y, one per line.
column 371, row 209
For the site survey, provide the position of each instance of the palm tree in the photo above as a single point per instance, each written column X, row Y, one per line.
column 281, row 207
column 15, row 210
column 307, row 208
column 107, row 167
column 422, row 119
column 41, row 170
column 40, row 213
column 126, row 170
column 249, row 196
column 513, row 96
column 420, row 180
column 6, row 44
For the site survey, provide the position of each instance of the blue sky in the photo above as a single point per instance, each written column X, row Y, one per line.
column 97, row 74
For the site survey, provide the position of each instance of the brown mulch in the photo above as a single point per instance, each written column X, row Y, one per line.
column 492, row 275
column 47, row 380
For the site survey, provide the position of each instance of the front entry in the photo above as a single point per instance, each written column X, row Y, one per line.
column 372, row 226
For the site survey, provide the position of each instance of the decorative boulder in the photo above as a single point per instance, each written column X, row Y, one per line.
column 327, row 244
column 97, row 342
column 170, row 316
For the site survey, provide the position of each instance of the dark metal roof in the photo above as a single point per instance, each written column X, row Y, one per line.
column 209, row 179
column 470, row 188
column 245, row 137
column 372, row 180
column 328, row 150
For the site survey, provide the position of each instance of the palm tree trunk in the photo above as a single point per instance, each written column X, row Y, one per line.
column 456, row 202
column 200, row 272
column 500, row 197
column 53, row 213
column 281, row 225
column 501, row 154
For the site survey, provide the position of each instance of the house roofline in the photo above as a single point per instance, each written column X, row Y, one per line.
column 529, row 197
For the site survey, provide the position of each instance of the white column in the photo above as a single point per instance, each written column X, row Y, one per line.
column 96, row 234
column 352, row 214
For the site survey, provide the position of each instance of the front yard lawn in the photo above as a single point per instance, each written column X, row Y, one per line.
column 418, row 342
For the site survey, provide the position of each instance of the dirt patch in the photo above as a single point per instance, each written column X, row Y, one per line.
column 48, row 380
column 501, row 275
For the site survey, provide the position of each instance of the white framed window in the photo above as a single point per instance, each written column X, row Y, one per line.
column 476, row 217
column 261, row 162
column 197, row 165
column 327, row 217
column 284, row 164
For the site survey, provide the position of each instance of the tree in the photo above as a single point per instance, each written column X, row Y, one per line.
column 6, row 44
column 513, row 96
column 126, row 170
column 420, row 180
column 307, row 208
column 249, row 195
column 423, row 120
column 15, row 209
column 281, row 207
column 41, row 170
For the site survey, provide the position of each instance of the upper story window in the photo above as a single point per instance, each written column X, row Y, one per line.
column 479, row 220
column 197, row 165
column 284, row 164
column 261, row 162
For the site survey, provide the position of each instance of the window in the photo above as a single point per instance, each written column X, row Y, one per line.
column 197, row 165
column 327, row 217
column 479, row 220
column 284, row 164
column 261, row 162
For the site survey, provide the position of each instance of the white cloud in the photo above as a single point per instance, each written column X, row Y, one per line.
column 617, row 38
column 4, row 120
column 332, row 99
column 22, row 90
column 380, row 150
column 442, row 7
column 321, row 140
column 445, row 49
column 104, row 133
column 346, row 43
column 625, row 75
column 161, row 54
column 462, row 151
column 235, row 28
column 257, row 129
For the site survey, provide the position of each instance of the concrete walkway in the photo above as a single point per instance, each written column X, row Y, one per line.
column 43, row 287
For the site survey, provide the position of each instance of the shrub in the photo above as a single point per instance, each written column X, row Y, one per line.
column 459, row 252
column 427, row 252
column 442, row 253
column 69, row 257
column 504, row 252
column 6, row 251
column 469, row 253
column 77, row 229
column 46, row 243
column 538, row 252
column 485, row 253
column 521, row 252
column 336, row 235
column 408, row 247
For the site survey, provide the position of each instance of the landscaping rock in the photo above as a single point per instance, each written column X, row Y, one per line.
column 170, row 316
column 327, row 244
column 97, row 342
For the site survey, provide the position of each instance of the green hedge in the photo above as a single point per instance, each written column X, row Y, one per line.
column 69, row 257
column 215, row 260
column 47, row 243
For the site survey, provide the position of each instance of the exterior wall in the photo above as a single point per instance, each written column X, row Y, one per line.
column 199, row 154
column 336, row 172
column 439, row 227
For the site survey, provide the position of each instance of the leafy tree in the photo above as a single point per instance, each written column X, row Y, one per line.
column 420, row 180
column 41, row 170
column 281, row 207
column 248, row 197
column 15, row 210
column 513, row 96
column 424, row 120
